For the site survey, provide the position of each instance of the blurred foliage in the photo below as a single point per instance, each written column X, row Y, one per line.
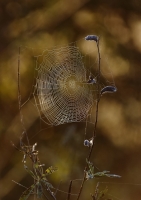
column 45, row 24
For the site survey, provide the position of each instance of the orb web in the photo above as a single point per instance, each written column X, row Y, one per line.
column 62, row 93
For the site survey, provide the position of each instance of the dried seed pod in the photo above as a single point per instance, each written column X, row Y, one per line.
column 92, row 37
column 108, row 89
column 86, row 143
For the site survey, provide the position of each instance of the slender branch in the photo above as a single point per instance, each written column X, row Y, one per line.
column 98, row 100
column 69, row 191
column 19, row 98
column 86, row 127
column 81, row 187
column 96, row 119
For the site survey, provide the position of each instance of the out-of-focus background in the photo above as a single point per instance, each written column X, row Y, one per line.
column 45, row 24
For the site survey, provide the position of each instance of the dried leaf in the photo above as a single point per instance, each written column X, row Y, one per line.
column 106, row 173
column 113, row 176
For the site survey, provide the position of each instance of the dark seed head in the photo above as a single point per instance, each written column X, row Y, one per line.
column 86, row 143
column 92, row 37
column 108, row 89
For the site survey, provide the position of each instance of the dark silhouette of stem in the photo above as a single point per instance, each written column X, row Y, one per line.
column 96, row 120
column 19, row 99
column 69, row 191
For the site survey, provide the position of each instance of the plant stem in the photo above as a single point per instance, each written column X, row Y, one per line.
column 69, row 191
column 96, row 120
column 19, row 98
column 97, row 102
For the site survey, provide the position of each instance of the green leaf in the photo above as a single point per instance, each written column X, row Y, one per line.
column 113, row 176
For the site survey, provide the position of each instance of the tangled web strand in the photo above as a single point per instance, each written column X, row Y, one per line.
column 62, row 95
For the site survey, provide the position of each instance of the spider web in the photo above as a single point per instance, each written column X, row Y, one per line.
column 60, row 87
column 62, row 94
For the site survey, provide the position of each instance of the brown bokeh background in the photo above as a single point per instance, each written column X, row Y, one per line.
column 45, row 24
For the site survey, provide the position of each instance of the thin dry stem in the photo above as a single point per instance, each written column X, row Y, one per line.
column 96, row 120
column 19, row 98
column 69, row 191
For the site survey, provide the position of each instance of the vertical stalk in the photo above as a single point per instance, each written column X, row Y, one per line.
column 96, row 119
column 98, row 100
column 19, row 98
column 69, row 191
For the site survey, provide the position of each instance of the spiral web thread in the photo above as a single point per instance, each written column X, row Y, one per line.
column 62, row 94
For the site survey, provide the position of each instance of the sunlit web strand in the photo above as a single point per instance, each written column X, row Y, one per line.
column 60, row 93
